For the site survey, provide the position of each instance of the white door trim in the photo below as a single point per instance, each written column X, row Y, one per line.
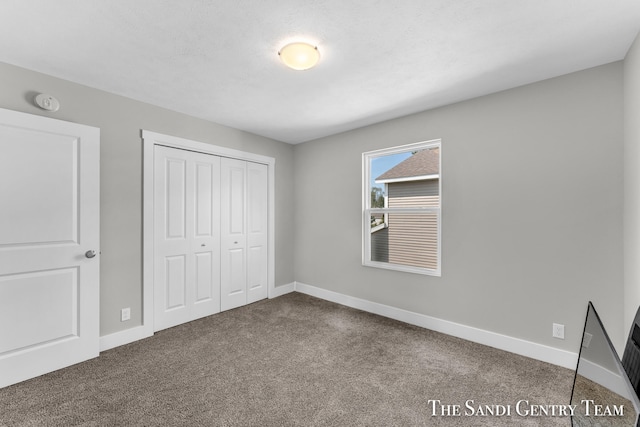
column 150, row 139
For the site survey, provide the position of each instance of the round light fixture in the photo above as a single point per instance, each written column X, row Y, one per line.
column 299, row 56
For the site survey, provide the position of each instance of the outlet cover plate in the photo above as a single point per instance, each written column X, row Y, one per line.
column 558, row 331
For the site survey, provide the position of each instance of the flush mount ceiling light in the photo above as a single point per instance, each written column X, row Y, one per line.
column 299, row 56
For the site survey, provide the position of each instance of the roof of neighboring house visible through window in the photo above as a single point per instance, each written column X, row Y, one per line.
column 421, row 164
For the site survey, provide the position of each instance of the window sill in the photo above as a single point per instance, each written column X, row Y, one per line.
column 403, row 268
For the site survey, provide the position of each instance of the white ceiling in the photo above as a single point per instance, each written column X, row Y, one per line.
column 217, row 59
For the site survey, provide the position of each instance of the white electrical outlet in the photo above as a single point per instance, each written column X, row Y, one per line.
column 558, row 331
column 125, row 314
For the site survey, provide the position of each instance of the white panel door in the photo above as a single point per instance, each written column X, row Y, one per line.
column 257, row 259
column 186, row 236
column 233, row 202
column 244, row 189
column 49, row 245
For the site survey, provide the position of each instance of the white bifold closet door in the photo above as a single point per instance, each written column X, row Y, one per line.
column 244, row 232
column 186, row 236
column 210, row 234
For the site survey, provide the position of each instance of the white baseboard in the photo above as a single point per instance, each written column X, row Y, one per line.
column 605, row 377
column 283, row 290
column 503, row 342
column 127, row 336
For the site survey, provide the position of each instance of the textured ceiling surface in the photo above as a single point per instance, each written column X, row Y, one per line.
column 217, row 59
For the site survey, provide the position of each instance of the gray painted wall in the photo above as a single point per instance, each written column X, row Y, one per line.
column 631, row 183
column 532, row 197
column 120, row 121
column 532, row 201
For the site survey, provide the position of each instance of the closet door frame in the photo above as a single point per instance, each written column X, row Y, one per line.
column 150, row 140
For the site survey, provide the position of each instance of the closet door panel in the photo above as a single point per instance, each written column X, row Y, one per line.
column 204, row 199
column 233, row 274
column 187, row 236
column 175, row 197
column 203, row 277
column 237, row 277
column 175, row 283
column 205, row 238
column 171, row 265
column 235, row 201
column 257, row 224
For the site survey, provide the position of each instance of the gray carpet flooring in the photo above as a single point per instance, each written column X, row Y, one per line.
column 291, row 361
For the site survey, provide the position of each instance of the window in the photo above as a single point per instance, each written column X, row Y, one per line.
column 401, row 208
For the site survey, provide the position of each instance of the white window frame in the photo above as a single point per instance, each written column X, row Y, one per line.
column 367, row 210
